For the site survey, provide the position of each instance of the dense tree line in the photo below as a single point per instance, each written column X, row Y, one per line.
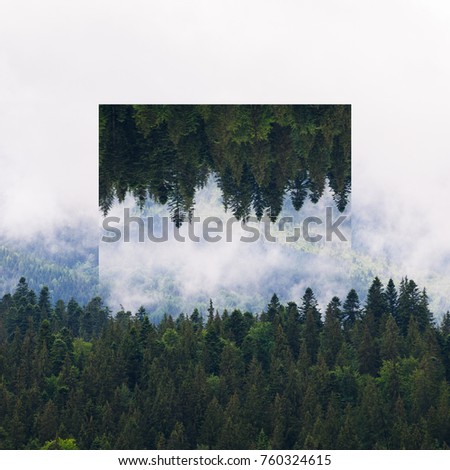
column 372, row 376
column 258, row 154
column 63, row 276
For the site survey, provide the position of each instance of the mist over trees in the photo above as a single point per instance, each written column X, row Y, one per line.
column 352, row 375
column 65, row 266
column 258, row 154
column 371, row 376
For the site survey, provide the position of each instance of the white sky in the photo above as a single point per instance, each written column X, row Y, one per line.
column 388, row 59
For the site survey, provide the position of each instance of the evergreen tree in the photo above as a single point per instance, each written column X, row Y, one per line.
column 376, row 304
column 309, row 304
column 273, row 308
column 351, row 309
column 408, row 303
column 392, row 300
column 391, row 342
column 331, row 338
column 44, row 304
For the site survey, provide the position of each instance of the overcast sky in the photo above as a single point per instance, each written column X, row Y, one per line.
column 388, row 59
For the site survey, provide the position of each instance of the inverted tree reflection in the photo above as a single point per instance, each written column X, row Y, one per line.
column 258, row 153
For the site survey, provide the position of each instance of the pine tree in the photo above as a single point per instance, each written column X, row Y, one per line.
column 177, row 439
column 233, row 434
column 196, row 320
column 351, row 309
column 391, row 342
column 141, row 313
column 212, row 424
column 311, row 336
column 309, row 304
column 235, row 328
column 273, row 308
column 408, row 303
column 255, row 409
column 331, row 336
column 44, row 304
column 376, row 304
column 392, row 300
column 279, row 425
column 293, row 328
column 367, row 351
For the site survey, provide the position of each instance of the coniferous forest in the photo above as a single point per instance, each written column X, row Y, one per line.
column 257, row 153
column 356, row 376
column 371, row 374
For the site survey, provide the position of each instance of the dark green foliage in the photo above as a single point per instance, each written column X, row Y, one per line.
column 412, row 304
column 258, row 154
column 331, row 340
column 75, row 377
column 351, row 311
column 376, row 303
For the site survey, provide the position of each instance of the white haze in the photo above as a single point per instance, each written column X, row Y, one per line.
column 233, row 273
column 388, row 59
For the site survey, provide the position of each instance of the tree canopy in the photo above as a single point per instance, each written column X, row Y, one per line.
column 356, row 376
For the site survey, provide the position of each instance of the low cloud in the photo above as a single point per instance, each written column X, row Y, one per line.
column 180, row 276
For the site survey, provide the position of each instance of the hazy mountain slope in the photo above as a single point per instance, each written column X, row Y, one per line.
column 68, row 268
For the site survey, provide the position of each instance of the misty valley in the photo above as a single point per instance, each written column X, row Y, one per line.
column 189, row 342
